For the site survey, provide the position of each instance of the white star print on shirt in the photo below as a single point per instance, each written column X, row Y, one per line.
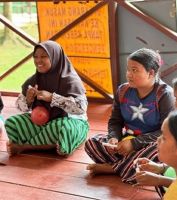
column 138, row 112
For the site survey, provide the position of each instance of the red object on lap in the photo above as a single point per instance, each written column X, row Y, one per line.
column 40, row 115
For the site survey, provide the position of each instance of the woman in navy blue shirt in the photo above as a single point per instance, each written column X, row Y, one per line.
column 139, row 108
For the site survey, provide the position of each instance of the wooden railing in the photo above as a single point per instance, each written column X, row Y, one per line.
column 113, row 39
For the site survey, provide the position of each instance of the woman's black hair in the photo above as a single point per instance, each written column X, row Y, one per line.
column 172, row 123
column 149, row 58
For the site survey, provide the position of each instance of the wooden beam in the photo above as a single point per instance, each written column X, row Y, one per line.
column 18, row 31
column 134, row 10
column 15, row 66
column 114, row 44
column 12, row 94
column 168, row 71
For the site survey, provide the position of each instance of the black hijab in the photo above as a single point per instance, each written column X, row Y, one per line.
column 61, row 78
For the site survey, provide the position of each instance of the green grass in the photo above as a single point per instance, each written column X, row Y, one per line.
column 14, row 81
column 19, row 7
column 12, row 51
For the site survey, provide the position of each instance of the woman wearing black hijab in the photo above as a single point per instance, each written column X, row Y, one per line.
column 57, row 87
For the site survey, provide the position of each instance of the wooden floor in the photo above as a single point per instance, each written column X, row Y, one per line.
column 46, row 176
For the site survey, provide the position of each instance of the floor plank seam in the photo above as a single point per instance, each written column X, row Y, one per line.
column 52, row 158
column 49, row 190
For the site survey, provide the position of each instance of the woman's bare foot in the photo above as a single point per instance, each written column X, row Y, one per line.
column 100, row 169
column 13, row 149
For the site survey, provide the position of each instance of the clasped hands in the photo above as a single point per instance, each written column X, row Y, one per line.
column 147, row 172
column 123, row 147
column 33, row 92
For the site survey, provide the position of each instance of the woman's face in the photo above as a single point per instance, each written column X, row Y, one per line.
column 167, row 146
column 137, row 76
column 41, row 60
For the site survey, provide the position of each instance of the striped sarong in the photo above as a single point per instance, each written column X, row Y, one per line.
column 67, row 133
column 122, row 165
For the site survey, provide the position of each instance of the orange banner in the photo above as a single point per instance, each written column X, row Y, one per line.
column 87, row 44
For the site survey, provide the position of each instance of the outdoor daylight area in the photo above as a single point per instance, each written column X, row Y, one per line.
column 13, row 47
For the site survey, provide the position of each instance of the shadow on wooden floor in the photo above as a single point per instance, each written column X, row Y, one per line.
column 46, row 176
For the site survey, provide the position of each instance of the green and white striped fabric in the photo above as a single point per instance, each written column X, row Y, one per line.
column 67, row 133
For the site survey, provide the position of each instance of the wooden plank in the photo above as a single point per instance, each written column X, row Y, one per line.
column 78, row 156
column 97, row 126
column 56, row 182
column 10, row 191
column 63, row 176
column 142, row 194
column 47, row 164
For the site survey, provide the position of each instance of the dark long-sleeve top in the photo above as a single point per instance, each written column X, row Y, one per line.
column 141, row 118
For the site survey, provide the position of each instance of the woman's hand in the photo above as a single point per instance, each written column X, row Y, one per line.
column 44, row 95
column 144, row 164
column 148, row 178
column 152, row 179
column 123, row 148
column 31, row 94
